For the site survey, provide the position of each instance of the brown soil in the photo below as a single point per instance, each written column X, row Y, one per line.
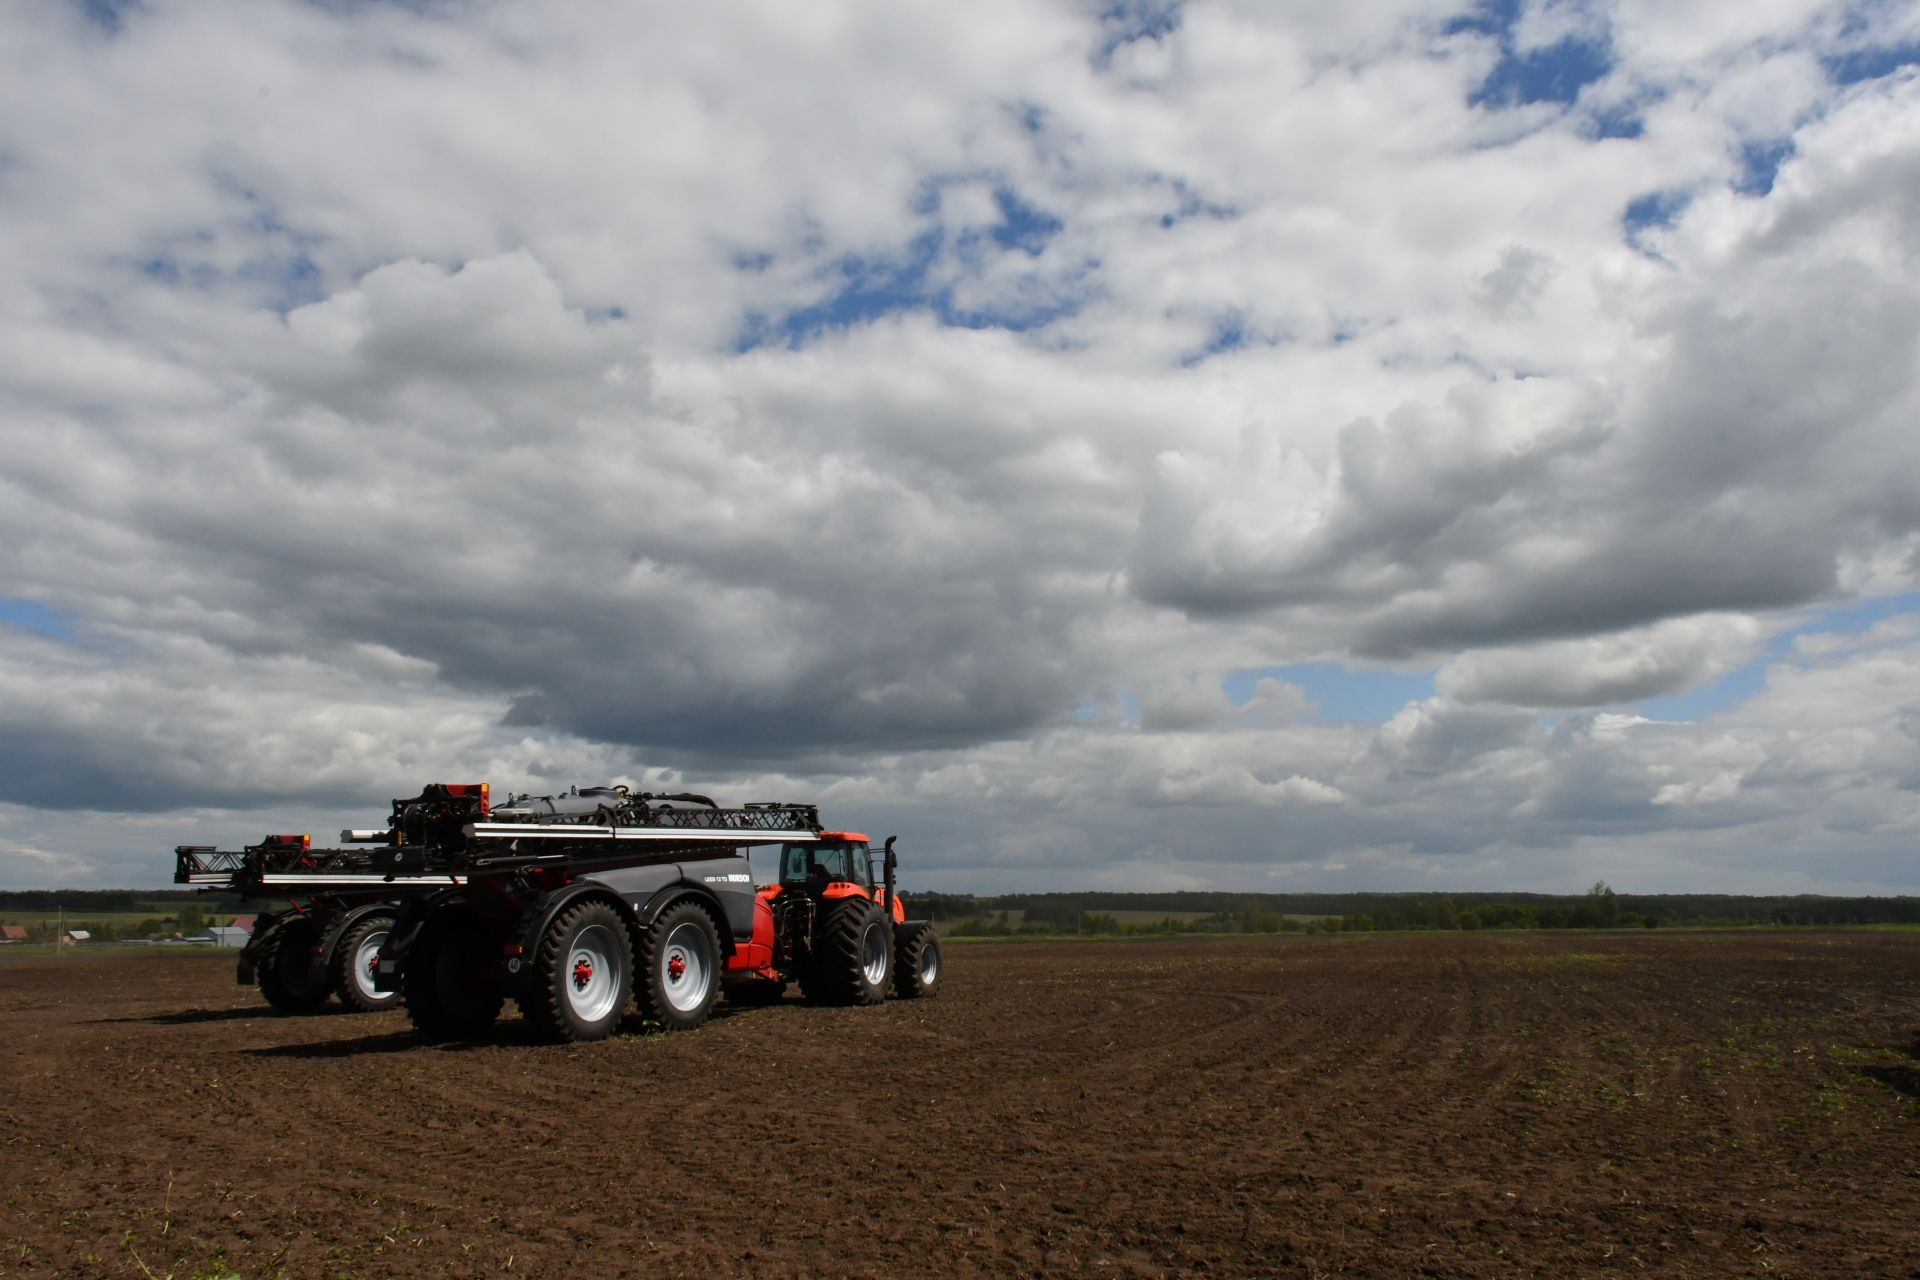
column 1465, row 1105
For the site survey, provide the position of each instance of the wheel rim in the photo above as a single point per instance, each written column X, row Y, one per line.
column 593, row 974
column 874, row 961
column 365, row 957
column 930, row 963
column 686, row 968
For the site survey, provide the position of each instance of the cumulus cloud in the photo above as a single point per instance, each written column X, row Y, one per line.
column 1647, row 662
column 940, row 412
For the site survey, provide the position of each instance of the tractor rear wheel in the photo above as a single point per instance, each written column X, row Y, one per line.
column 582, row 974
column 286, row 972
column 679, row 968
column 353, row 959
column 450, row 993
column 853, row 956
column 916, row 961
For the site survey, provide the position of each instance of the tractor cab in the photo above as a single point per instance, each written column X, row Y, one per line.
column 841, row 857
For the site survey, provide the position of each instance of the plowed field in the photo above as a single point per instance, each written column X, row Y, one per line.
column 1464, row 1105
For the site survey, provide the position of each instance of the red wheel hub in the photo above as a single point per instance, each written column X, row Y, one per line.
column 676, row 967
column 582, row 972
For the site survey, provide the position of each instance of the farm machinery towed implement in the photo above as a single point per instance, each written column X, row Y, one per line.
column 574, row 906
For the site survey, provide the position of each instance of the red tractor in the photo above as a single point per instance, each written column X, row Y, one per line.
column 834, row 928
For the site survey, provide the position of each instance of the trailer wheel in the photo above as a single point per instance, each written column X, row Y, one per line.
column 353, row 961
column 916, row 961
column 582, row 974
column 450, row 993
column 286, row 969
column 679, row 968
column 853, row 960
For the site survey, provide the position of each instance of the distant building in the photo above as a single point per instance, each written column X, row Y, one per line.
column 75, row 935
column 221, row 935
column 244, row 923
column 13, row 933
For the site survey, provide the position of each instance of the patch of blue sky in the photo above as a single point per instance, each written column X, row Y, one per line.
column 1743, row 682
column 1190, row 204
column 1487, row 18
column 277, row 266
column 1022, row 226
column 1851, row 620
column 1556, row 73
column 865, row 289
column 1229, row 334
column 1655, row 209
column 108, row 15
column 1339, row 694
column 283, row 267
column 1124, row 21
column 1695, row 704
column 275, row 280
column 862, row 290
column 1551, row 73
column 1624, row 121
column 1759, row 164
column 31, row 615
column 1870, row 62
column 286, row 283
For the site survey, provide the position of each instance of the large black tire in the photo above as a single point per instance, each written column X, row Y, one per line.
column 286, row 967
column 353, row 961
column 852, row 955
column 450, row 992
column 916, row 961
column 582, row 975
column 677, row 969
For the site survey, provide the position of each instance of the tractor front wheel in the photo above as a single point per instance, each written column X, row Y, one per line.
column 582, row 974
column 916, row 961
column 679, row 968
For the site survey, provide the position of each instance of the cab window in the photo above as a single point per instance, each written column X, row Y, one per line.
column 803, row 862
column 862, row 867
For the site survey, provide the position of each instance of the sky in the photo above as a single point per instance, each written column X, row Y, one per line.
column 1217, row 445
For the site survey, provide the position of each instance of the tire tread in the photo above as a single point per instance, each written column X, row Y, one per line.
column 344, row 951
column 652, row 1002
column 546, row 1005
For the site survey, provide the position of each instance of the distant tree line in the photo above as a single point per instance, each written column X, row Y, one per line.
column 1599, row 908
